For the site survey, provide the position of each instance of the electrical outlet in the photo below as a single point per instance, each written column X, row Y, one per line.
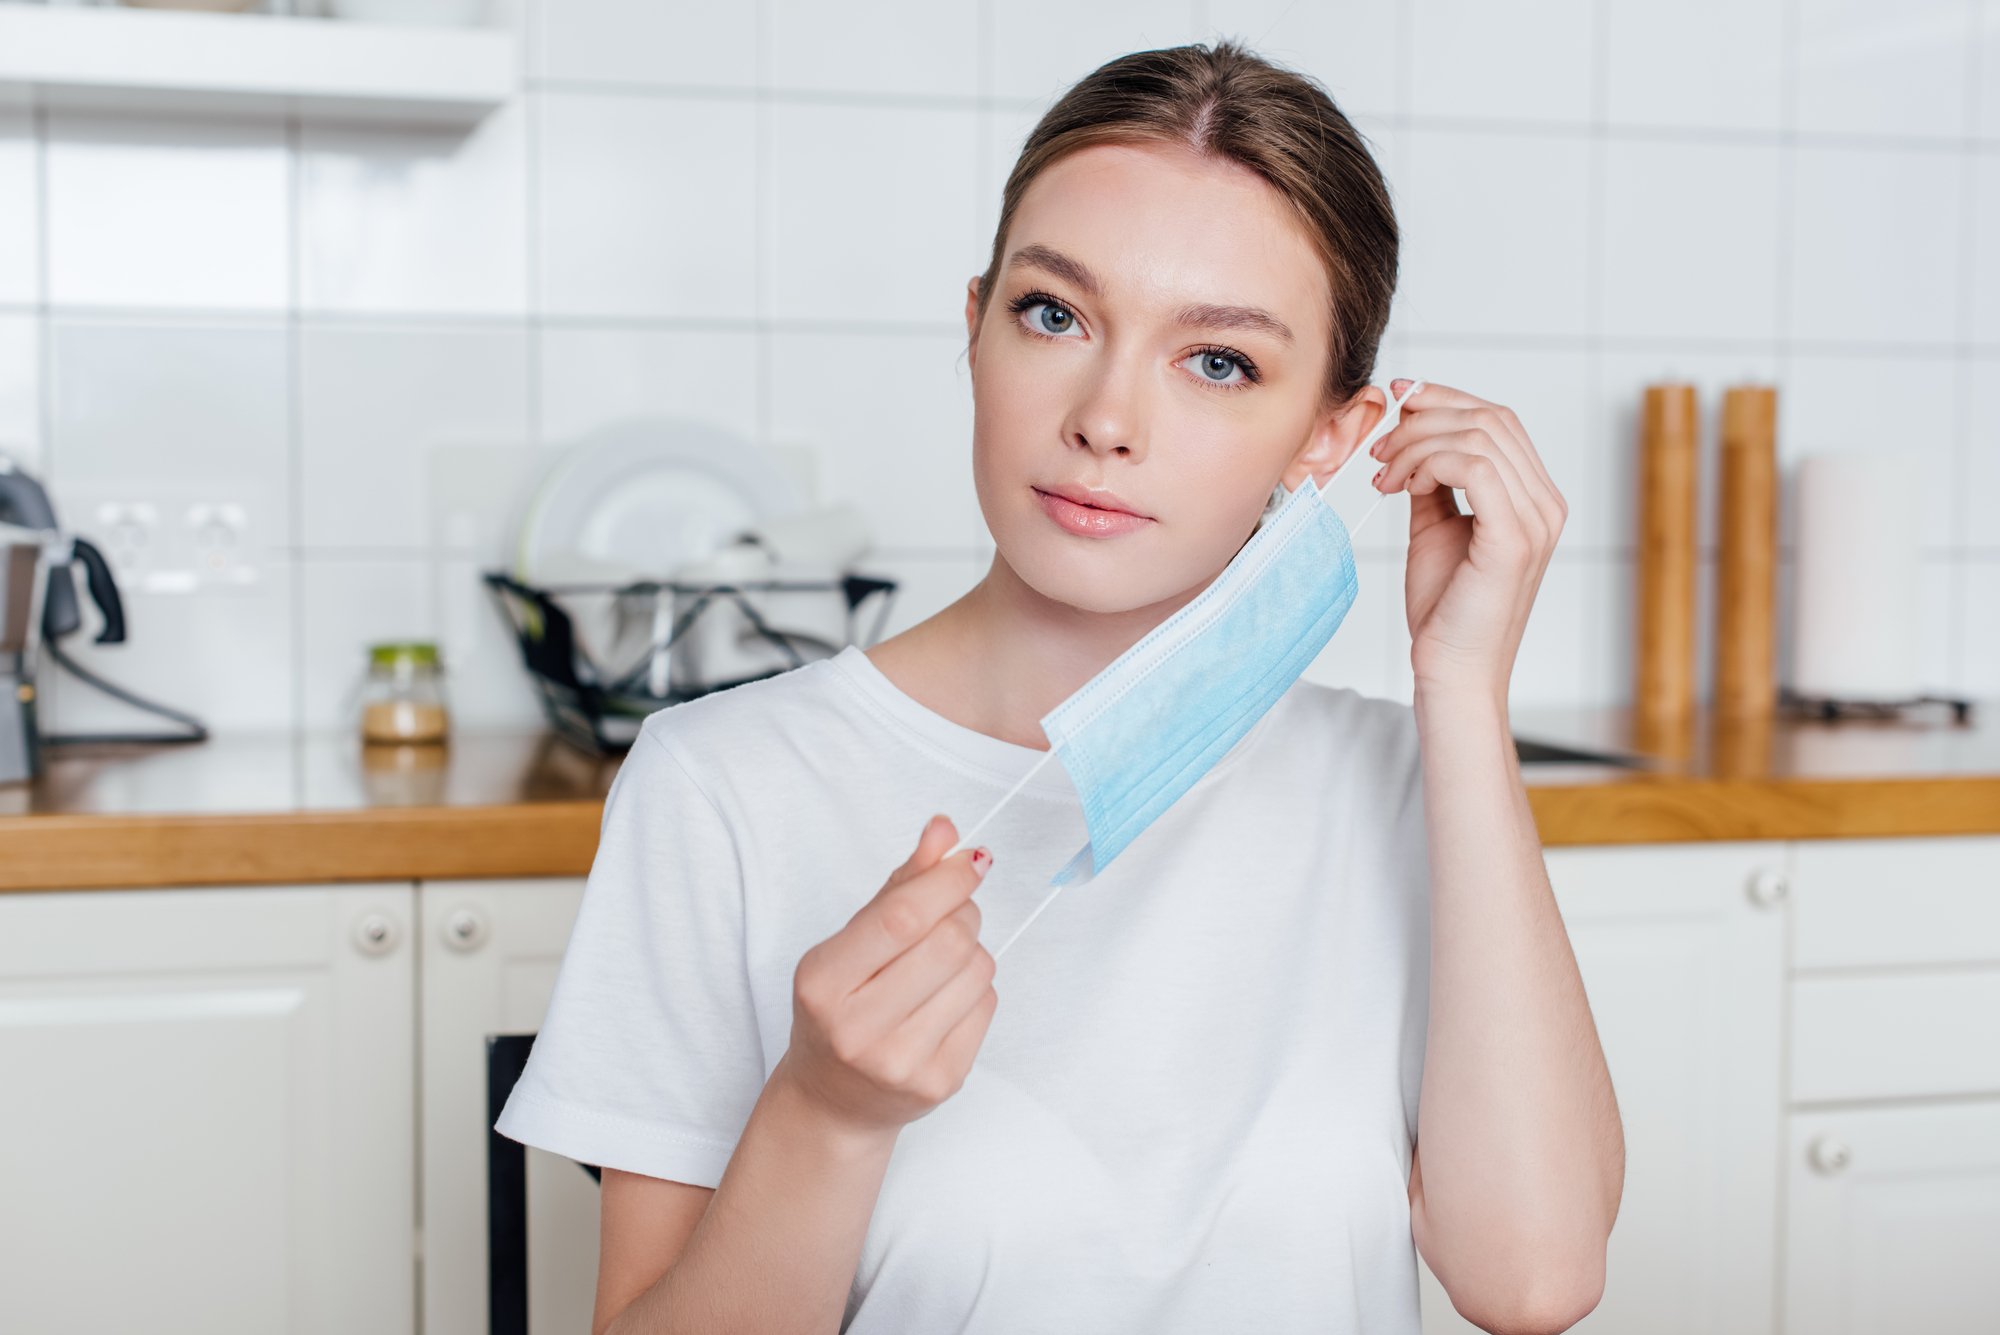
column 216, row 531
column 130, row 536
column 169, row 536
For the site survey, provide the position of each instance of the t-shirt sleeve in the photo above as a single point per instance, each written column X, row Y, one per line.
column 648, row 1058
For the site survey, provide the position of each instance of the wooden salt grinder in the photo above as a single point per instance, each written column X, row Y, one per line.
column 1747, row 563
column 1664, row 659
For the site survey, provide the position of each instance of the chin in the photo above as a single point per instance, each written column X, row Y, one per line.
column 1103, row 577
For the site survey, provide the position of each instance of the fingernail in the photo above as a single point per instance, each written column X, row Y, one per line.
column 1378, row 474
column 1397, row 386
column 930, row 824
column 981, row 859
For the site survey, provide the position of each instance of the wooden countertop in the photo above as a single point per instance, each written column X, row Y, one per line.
column 278, row 809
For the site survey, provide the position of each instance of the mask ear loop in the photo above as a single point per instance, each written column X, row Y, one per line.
column 1390, row 420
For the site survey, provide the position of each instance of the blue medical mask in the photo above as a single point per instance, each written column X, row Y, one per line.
column 1142, row 731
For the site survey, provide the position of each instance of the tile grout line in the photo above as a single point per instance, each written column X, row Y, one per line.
column 1958, row 582
column 1783, row 348
column 44, row 326
column 295, row 434
column 762, row 198
column 1597, row 653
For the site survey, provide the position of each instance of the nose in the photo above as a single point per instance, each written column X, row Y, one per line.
column 1112, row 416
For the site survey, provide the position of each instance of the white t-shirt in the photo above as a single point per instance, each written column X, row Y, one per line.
column 1195, row 1105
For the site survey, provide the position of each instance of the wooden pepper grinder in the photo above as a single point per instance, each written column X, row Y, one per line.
column 1747, row 562
column 1664, row 693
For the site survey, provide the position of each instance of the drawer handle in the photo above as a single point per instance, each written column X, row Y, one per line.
column 1829, row 1154
column 376, row 934
column 1768, row 886
column 465, row 929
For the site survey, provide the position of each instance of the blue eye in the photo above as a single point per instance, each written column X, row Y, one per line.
column 1064, row 319
column 1057, row 320
column 1228, row 359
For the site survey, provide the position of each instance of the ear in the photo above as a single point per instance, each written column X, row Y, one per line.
column 972, row 323
column 1335, row 436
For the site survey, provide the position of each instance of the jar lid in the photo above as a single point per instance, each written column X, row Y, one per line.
column 390, row 653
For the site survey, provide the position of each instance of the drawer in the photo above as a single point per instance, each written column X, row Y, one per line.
column 1895, row 1035
column 1861, row 902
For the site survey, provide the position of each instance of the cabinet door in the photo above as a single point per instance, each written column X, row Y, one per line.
column 490, row 953
column 205, row 1113
column 1681, row 948
column 1893, row 1219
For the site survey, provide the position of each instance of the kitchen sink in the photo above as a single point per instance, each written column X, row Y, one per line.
column 1549, row 753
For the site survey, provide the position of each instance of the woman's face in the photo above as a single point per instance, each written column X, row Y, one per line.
column 1157, row 332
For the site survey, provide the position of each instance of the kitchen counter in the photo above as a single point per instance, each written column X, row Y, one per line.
column 275, row 809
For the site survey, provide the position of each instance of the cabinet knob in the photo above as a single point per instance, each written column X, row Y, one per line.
column 1829, row 1154
column 1768, row 886
column 376, row 934
column 465, row 928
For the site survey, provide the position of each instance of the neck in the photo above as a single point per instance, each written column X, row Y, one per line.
column 1004, row 655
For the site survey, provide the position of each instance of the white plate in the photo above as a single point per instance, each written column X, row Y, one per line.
column 638, row 499
column 651, row 495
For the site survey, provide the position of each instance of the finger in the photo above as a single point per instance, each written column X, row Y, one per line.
column 961, row 1045
column 1433, row 507
column 903, row 912
column 1473, row 440
column 1532, row 487
column 1498, row 528
column 887, row 1001
column 1505, row 426
column 932, row 1023
column 938, row 834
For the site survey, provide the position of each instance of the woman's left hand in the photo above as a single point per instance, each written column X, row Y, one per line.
column 1471, row 578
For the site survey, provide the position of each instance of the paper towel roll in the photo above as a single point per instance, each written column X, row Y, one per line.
column 1856, row 610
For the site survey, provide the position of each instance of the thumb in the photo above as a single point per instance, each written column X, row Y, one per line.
column 939, row 834
column 1431, row 507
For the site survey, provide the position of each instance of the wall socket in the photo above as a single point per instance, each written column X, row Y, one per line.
column 172, row 544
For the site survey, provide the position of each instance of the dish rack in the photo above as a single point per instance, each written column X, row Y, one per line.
column 599, row 707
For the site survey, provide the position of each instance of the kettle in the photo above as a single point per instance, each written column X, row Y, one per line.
column 38, row 606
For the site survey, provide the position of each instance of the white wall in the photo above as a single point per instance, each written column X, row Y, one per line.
column 767, row 212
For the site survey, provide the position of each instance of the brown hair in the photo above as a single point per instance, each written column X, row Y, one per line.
column 1226, row 102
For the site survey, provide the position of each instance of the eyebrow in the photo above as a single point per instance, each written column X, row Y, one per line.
column 1198, row 315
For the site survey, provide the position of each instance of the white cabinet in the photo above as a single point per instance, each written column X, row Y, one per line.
column 264, row 1109
column 1892, row 1217
column 1681, row 949
column 1894, row 1220
column 205, row 1110
column 490, row 950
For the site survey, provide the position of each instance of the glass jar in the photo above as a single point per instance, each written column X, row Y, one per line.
column 403, row 697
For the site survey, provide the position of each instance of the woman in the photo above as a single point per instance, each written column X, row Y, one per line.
column 1200, row 1105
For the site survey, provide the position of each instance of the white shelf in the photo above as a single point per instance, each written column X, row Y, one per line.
column 252, row 64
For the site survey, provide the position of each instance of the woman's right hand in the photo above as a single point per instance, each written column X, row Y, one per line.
column 888, row 1012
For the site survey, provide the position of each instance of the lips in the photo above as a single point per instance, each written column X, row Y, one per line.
column 1096, row 500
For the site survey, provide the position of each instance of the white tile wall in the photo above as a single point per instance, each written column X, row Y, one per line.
column 1689, row 231
column 1875, row 253
column 1694, row 64
column 403, row 219
column 167, row 211
column 1873, row 69
column 375, row 402
column 20, row 226
column 1481, row 60
column 646, row 205
column 375, row 339
column 21, row 391
column 1523, row 267
column 903, row 250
